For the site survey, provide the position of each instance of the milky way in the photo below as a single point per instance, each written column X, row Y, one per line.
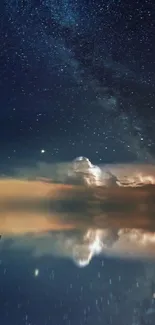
column 76, row 46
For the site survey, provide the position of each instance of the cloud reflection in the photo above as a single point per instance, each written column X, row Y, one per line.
column 77, row 221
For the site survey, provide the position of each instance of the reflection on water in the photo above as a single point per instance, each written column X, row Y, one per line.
column 80, row 221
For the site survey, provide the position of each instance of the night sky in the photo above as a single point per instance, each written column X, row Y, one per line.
column 77, row 78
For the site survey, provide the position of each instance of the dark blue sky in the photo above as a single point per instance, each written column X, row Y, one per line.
column 77, row 76
column 106, row 292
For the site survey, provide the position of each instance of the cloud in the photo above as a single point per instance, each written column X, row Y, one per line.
column 75, row 245
column 47, row 217
column 81, row 246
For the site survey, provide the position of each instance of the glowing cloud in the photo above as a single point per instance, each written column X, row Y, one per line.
column 78, row 221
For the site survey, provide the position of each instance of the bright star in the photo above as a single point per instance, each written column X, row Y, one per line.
column 36, row 272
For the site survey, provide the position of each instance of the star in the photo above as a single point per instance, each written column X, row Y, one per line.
column 36, row 272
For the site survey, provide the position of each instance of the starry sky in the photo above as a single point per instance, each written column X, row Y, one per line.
column 77, row 78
